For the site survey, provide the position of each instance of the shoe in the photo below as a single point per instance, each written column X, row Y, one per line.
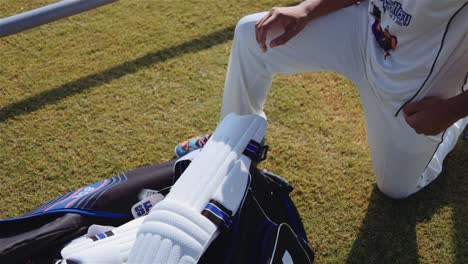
column 190, row 145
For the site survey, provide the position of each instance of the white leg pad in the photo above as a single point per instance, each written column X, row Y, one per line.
column 109, row 249
column 175, row 231
column 208, row 169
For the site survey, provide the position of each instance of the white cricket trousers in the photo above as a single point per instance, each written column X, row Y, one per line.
column 404, row 162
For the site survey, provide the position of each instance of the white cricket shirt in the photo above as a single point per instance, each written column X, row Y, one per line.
column 417, row 48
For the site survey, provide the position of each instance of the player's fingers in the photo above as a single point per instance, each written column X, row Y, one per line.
column 271, row 19
column 411, row 108
column 272, row 13
column 425, row 103
column 258, row 27
column 412, row 121
column 261, row 20
column 289, row 33
column 263, row 31
column 409, row 120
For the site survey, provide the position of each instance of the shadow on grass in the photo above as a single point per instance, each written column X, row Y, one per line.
column 36, row 102
column 388, row 232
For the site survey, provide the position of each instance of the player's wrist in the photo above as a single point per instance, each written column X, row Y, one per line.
column 318, row 8
column 459, row 105
column 309, row 8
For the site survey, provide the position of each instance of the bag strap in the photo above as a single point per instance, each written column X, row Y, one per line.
column 256, row 151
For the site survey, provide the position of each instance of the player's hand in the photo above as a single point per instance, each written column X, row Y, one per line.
column 291, row 19
column 430, row 116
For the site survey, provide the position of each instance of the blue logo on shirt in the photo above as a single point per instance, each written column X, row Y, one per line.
column 396, row 12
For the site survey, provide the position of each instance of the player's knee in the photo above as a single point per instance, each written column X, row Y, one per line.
column 245, row 28
column 393, row 191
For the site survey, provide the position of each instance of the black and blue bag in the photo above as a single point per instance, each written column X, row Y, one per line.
column 267, row 228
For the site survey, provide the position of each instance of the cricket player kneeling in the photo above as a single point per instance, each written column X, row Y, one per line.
column 201, row 203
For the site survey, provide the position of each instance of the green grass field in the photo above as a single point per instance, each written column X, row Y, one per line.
column 115, row 88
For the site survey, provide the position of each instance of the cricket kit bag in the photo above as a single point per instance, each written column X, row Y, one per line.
column 212, row 206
